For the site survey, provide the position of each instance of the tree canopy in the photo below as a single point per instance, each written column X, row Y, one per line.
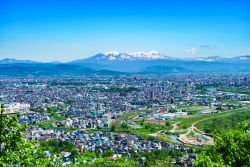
column 231, row 148
column 15, row 149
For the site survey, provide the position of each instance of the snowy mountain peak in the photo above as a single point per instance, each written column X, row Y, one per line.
column 208, row 59
column 114, row 55
column 247, row 57
column 148, row 55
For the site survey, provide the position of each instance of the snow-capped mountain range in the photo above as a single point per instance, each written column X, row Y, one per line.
column 114, row 55
column 243, row 57
column 208, row 59
column 154, row 55
column 151, row 55
column 115, row 63
column 220, row 59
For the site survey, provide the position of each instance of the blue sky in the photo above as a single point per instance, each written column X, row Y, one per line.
column 63, row 30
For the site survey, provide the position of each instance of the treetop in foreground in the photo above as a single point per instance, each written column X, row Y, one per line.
column 232, row 148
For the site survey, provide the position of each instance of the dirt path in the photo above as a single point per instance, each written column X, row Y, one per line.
column 175, row 126
column 193, row 125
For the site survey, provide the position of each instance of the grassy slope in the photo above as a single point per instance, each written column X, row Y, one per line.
column 187, row 122
column 235, row 91
column 200, row 125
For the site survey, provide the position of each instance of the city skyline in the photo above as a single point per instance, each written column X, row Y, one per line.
column 64, row 31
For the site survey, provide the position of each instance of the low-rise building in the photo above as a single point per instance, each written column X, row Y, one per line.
column 13, row 108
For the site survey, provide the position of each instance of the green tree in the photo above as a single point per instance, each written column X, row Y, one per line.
column 107, row 162
column 74, row 154
column 124, row 125
column 112, row 128
column 15, row 149
column 172, row 110
column 108, row 153
column 52, row 109
column 56, row 146
column 142, row 122
column 231, row 148
column 167, row 123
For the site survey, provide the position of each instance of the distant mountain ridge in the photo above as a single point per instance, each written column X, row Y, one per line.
column 115, row 63
column 10, row 61
column 247, row 57
column 209, row 59
column 115, row 56
column 159, row 69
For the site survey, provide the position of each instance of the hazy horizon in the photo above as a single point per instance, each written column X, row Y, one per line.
column 106, row 53
column 68, row 30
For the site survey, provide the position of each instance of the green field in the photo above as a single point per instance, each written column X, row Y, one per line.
column 235, row 91
column 226, row 121
column 49, row 124
column 187, row 122
column 238, row 102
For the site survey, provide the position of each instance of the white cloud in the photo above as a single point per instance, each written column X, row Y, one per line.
column 192, row 51
column 249, row 50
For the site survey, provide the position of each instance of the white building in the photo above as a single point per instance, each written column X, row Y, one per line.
column 16, row 107
column 180, row 114
column 170, row 116
column 167, row 116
